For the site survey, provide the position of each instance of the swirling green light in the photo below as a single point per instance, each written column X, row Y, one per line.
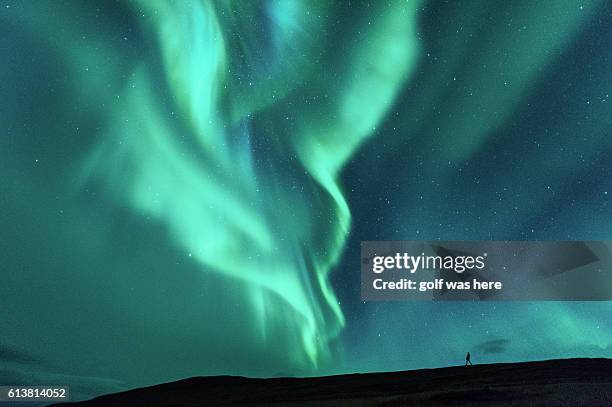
column 192, row 169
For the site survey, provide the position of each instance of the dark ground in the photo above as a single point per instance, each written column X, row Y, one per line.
column 566, row 382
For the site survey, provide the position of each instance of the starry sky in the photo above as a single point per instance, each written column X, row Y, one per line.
column 185, row 185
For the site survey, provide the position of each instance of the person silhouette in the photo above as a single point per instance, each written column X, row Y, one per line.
column 468, row 359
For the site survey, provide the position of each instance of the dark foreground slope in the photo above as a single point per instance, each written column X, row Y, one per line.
column 568, row 382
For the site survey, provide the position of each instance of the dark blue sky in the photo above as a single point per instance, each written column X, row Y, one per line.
column 186, row 184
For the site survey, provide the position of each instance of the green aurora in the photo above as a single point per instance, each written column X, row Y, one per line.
column 175, row 175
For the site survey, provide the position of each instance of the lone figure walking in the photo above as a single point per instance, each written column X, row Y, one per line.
column 468, row 360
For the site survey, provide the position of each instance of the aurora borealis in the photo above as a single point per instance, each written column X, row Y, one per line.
column 185, row 184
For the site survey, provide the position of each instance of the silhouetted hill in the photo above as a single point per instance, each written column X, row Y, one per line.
column 566, row 382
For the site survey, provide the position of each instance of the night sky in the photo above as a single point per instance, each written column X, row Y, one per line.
column 185, row 185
